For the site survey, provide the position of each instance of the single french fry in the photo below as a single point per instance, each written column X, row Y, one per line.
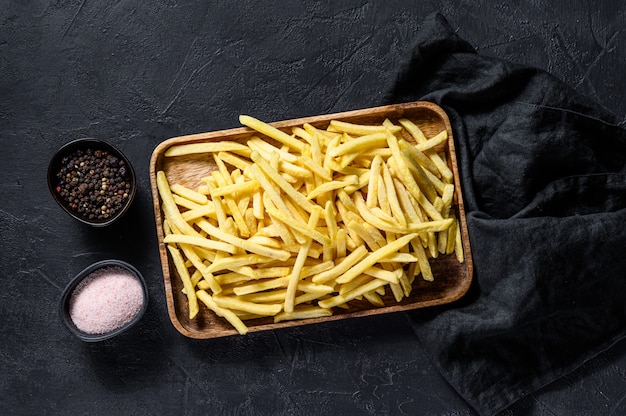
column 438, row 139
column 266, row 149
column 196, row 261
column 242, row 305
column 359, row 129
column 183, row 274
column 210, row 147
column 207, row 210
column 245, row 188
column 374, row 257
column 340, row 299
column 234, row 160
column 200, row 242
column 360, row 144
column 394, row 204
column 372, row 187
column 299, row 264
column 271, row 131
column 306, row 312
column 189, row 194
column 169, row 207
column 230, row 316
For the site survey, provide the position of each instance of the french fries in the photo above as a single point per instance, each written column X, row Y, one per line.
column 291, row 226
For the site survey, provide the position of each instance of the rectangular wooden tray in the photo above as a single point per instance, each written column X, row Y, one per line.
column 452, row 279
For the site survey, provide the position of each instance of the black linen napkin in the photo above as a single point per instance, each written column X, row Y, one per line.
column 544, row 181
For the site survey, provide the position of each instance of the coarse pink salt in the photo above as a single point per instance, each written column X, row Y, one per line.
column 106, row 300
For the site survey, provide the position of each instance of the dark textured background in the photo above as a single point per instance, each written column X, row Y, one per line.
column 136, row 73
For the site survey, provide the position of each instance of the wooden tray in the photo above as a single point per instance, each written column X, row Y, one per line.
column 452, row 279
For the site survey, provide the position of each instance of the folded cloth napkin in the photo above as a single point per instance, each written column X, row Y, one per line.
column 544, row 182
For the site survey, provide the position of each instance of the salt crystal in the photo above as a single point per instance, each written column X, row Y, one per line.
column 106, row 300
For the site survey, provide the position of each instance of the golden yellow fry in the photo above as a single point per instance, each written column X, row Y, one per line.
column 374, row 298
column 451, row 238
column 250, row 307
column 169, row 207
column 272, row 132
column 438, row 139
column 297, row 267
column 399, row 258
column 210, row 147
column 245, row 187
column 330, row 216
column 413, row 130
column 329, row 163
column 207, row 210
column 265, row 241
column 359, row 291
column 189, row 194
column 441, row 164
column 359, row 229
column 200, row 242
column 183, row 274
column 372, row 187
column 328, row 187
column 316, row 268
column 383, row 200
column 259, row 286
column 274, row 296
column 235, row 261
column 223, row 179
column 267, row 150
column 359, row 129
column 394, row 204
column 196, row 261
column 306, row 312
column 422, row 260
column 181, row 201
column 382, row 274
column 340, row 242
column 234, row 160
column 422, row 159
column 316, row 168
column 230, row 316
column 302, row 133
column 458, row 245
column 359, row 144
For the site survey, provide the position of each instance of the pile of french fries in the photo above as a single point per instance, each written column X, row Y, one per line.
column 292, row 226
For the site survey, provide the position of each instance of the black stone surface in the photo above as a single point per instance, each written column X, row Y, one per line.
column 136, row 73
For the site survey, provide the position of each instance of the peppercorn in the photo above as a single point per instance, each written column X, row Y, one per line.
column 87, row 178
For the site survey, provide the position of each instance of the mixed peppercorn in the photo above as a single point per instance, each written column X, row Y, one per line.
column 94, row 183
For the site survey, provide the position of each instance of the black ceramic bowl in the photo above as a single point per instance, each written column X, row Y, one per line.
column 69, row 291
column 119, row 206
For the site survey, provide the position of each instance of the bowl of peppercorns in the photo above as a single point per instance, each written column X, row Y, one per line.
column 92, row 181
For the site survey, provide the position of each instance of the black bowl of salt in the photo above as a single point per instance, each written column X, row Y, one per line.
column 104, row 300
